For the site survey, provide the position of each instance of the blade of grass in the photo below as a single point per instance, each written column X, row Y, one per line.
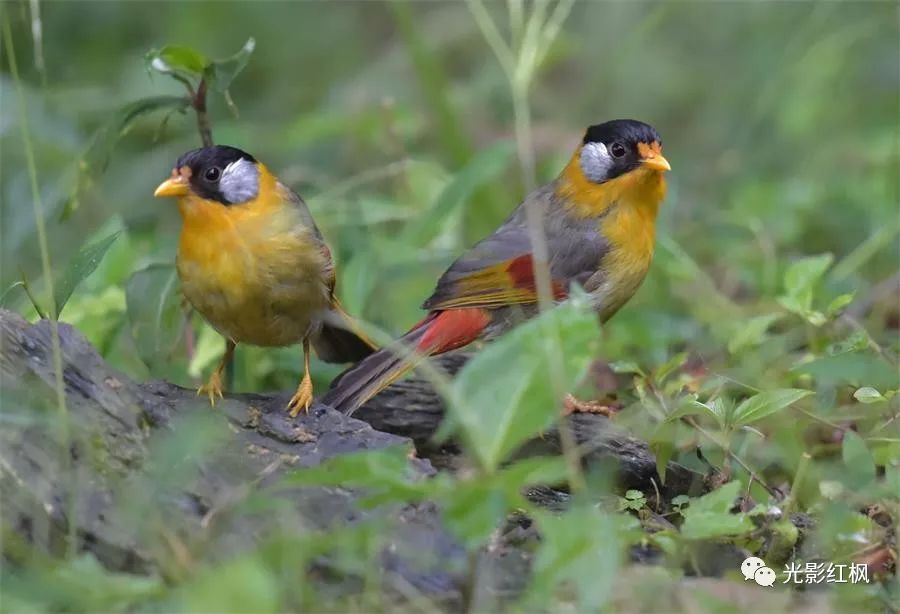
column 37, row 206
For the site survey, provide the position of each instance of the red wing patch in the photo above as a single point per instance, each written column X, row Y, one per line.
column 449, row 330
column 521, row 273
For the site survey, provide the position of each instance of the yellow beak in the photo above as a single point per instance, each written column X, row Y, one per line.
column 656, row 162
column 172, row 187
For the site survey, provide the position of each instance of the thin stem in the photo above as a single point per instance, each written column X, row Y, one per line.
column 799, row 476
column 199, row 104
column 772, row 492
column 516, row 21
column 552, row 28
column 493, row 37
column 47, row 270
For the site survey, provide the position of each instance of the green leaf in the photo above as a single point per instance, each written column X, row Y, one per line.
column 680, row 501
column 718, row 501
column 867, row 395
column 765, row 404
column 154, row 313
column 581, row 550
column 506, row 394
column 837, row 305
column 473, row 510
column 242, row 584
column 802, row 276
column 854, row 368
column 666, row 369
column 693, row 407
column 709, row 516
column 857, row 459
column 386, row 474
column 483, row 167
column 751, row 333
column 223, row 72
column 177, row 59
column 79, row 268
column 626, row 366
column 633, row 500
column 80, row 584
column 662, row 445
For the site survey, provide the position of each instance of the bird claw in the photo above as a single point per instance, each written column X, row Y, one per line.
column 572, row 405
column 302, row 398
column 212, row 388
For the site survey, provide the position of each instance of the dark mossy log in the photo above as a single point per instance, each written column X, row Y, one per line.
column 413, row 409
column 105, row 477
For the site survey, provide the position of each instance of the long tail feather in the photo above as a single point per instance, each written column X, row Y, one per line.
column 373, row 374
column 439, row 332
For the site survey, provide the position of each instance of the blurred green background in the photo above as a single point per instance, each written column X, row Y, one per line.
column 780, row 120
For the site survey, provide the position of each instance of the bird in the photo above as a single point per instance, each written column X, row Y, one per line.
column 253, row 263
column 598, row 219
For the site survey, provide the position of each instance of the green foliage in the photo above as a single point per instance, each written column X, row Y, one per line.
column 708, row 516
column 83, row 264
column 765, row 404
column 504, row 395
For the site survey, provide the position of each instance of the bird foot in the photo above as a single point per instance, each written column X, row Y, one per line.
column 302, row 398
column 212, row 388
column 571, row 405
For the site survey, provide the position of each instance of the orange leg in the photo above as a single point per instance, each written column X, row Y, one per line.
column 303, row 397
column 213, row 387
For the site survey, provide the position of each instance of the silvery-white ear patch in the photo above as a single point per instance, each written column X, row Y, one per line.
column 595, row 162
column 240, row 181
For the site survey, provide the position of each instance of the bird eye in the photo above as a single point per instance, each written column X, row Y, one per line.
column 618, row 150
column 212, row 173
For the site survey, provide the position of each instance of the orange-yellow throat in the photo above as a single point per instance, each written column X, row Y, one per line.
column 626, row 208
column 252, row 269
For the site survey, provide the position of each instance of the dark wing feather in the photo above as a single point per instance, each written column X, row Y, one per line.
column 499, row 269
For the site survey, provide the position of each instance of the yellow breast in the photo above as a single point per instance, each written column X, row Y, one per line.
column 253, row 270
column 626, row 208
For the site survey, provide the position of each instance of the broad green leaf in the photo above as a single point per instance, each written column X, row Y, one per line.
column 765, row 404
column 707, row 525
column 751, row 333
column 224, row 71
column 485, row 166
column 582, row 550
column 79, row 268
column 177, row 59
column 154, row 313
column 867, row 394
column 693, row 407
column 718, row 501
column 507, row 393
column 802, row 275
column 857, row 458
column 709, row 516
